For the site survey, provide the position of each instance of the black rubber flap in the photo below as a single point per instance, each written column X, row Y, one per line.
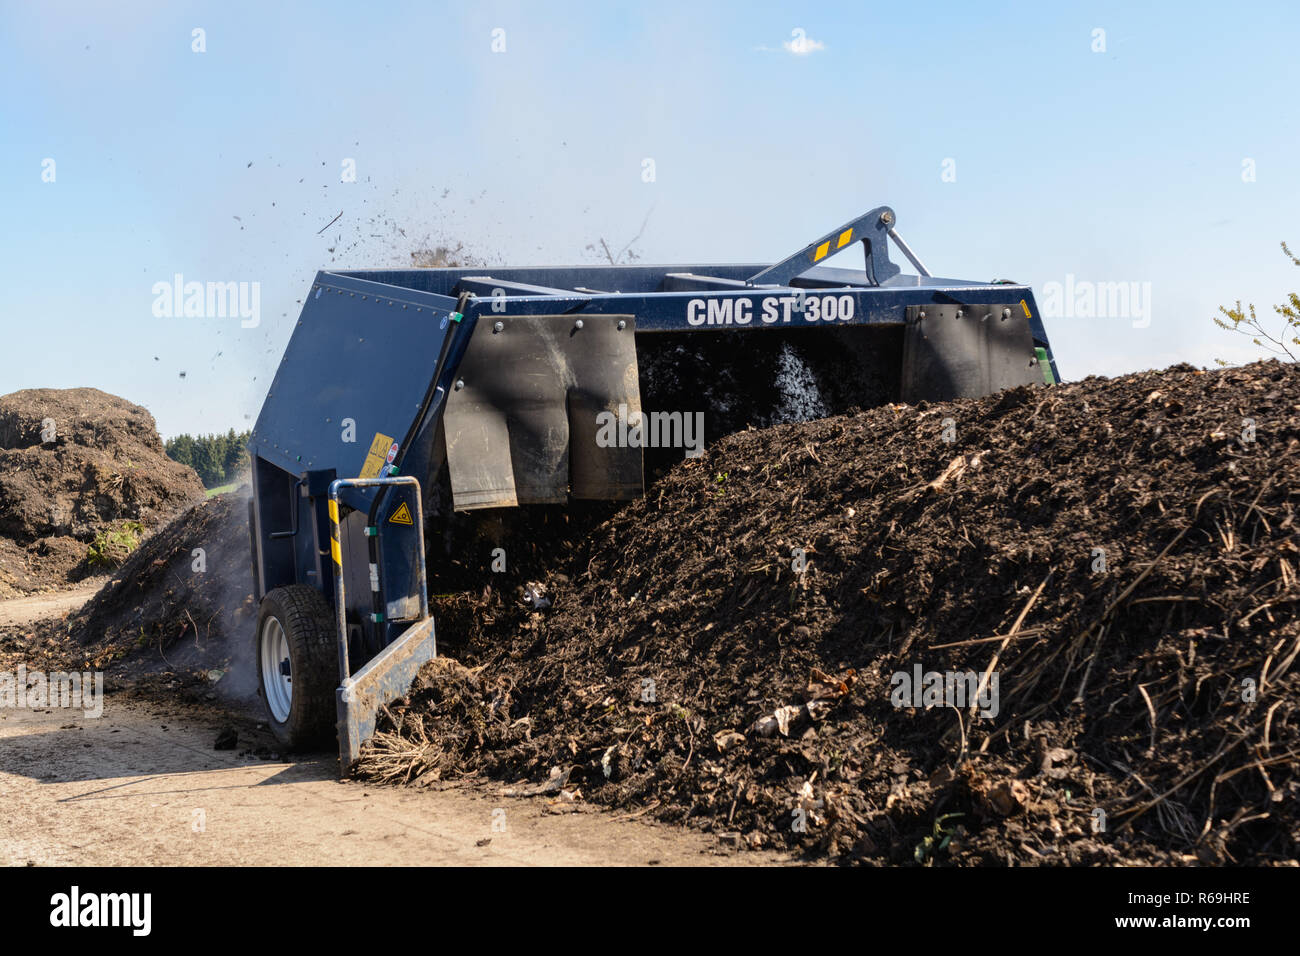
column 525, row 427
column 966, row 351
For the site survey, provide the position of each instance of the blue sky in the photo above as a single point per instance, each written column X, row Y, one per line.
column 1115, row 165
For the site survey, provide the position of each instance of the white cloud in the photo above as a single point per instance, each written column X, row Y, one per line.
column 800, row 44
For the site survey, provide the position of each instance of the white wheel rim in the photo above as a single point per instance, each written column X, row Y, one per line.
column 277, row 680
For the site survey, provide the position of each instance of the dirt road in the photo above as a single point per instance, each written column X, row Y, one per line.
column 19, row 612
column 143, row 785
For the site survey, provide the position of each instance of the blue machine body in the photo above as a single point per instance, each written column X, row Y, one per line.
column 375, row 356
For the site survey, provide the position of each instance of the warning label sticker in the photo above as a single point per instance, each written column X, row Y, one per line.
column 377, row 457
column 401, row 515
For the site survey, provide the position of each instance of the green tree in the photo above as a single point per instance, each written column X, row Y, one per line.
column 218, row 459
column 208, row 462
column 181, row 448
column 236, row 454
column 1285, row 342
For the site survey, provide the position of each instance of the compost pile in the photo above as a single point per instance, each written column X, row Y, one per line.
column 181, row 604
column 726, row 653
column 83, row 477
column 178, row 614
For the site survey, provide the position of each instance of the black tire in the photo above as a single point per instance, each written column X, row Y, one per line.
column 309, row 630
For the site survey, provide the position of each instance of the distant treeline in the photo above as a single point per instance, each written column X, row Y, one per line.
column 219, row 459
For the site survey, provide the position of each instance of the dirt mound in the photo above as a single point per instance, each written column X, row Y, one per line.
column 182, row 602
column 79, row 467
column 177, row 617
column 733, row 652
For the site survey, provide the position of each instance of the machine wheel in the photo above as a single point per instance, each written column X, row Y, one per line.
column 297, row 665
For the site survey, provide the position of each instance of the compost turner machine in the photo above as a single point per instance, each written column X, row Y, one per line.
column 543, row 386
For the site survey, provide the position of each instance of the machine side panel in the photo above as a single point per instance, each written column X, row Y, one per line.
column 352, row 381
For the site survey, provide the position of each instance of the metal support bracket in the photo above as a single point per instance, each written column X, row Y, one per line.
column 389, row 673
column 871, row 229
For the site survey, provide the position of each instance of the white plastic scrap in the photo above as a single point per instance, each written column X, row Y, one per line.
column 552, row 784
column 778, row 721
column 535, row 596
column 781, row 719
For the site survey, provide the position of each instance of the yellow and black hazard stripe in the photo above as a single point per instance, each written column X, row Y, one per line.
column 823, row 249
column 335, row 551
